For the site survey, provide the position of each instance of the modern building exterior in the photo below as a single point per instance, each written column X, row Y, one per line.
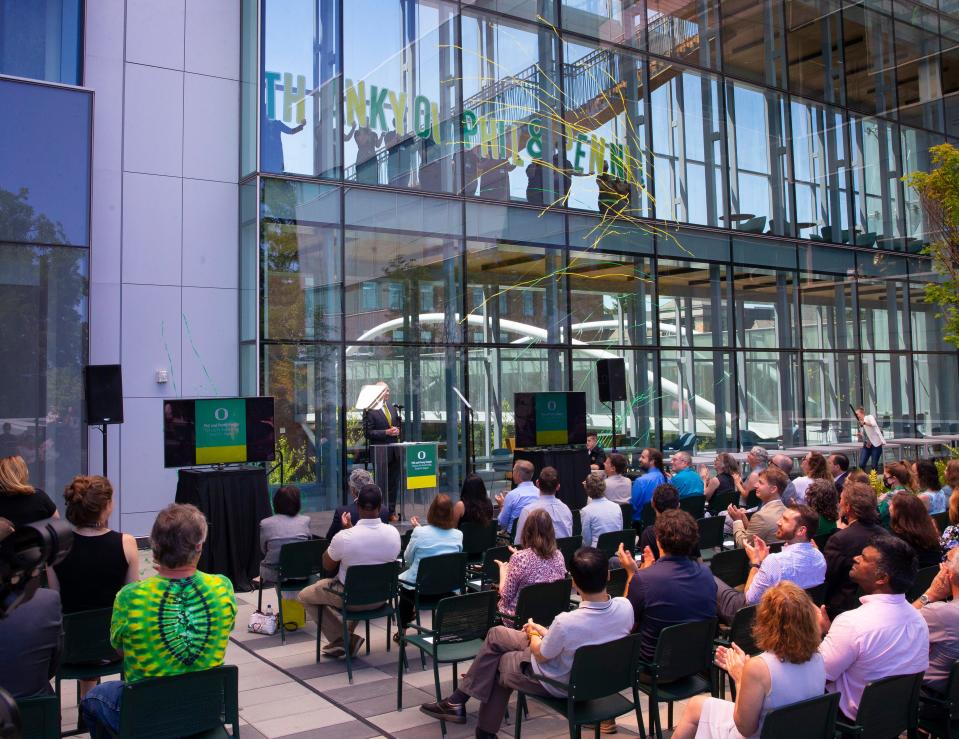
column 299, row 197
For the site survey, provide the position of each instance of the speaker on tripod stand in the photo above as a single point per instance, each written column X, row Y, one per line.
column 103, row 387
column 611, row 377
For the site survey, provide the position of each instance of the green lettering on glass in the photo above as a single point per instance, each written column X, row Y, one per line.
column 469, row 123
column 356, row 103
column 294, row 95
column 377, row 102
column 271, row 79
column 534, row 146
column 421, row 116
column 398, row 103
column 579, row 152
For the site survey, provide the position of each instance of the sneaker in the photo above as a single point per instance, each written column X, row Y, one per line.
column 355, row 643
column 608, row 726
column 334, row 649
column 445, row 711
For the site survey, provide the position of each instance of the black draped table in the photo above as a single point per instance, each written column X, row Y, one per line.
column 572, row 465
column 234, row 501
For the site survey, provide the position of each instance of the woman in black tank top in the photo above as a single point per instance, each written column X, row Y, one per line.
column 101, row 561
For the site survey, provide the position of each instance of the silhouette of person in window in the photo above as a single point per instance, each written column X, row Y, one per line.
column 366, row 140
column 271, row 146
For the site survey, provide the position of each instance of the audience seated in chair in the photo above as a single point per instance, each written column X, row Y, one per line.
column 839, row 470
column 437, row 536
column 885, row 636
column 651, row 464
column 474, row 505
column 285, row 526
column 358, row 478
column 20, row 502
column 788, row 670
column 857, row 506
column 665, row 498
column 599, row 515
column 177, row 621
column 763, row 523
column 910, row 521
column 506, row 655
column 823, row 497
column 799, row 562
column 525, row 492
column 559, row 512
column 31, row 643
column 928, row 486
column 684, row 478
column 101, row 561
column 784, row 463
column 723, row 482
column 364, row 541
column 674, row 589
column 538, row 561
column 939, row 606
column 619, row 488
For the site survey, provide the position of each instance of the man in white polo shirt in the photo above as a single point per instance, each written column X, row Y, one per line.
column 368, row 541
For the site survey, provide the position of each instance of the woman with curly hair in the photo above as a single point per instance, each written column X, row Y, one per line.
column 823, row 498
column 911, row 522
column 814, row 468
column 788, row 670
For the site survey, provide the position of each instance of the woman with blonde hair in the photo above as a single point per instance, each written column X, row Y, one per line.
column 20, row 502
column 788, row 670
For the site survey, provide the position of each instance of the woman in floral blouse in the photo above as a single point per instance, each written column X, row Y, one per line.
column 538, row 561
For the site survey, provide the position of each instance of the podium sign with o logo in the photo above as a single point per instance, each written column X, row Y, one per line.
column 421, row 466
column 551, row 419
column 220, row 431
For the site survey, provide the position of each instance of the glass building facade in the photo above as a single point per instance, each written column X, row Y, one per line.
column 491, row 195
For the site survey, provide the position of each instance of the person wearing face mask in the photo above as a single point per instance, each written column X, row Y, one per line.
column 897, row 479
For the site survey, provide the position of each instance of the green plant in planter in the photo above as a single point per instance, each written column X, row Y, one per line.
column 297, row 464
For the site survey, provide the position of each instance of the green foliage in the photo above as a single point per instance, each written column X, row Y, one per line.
column 298, row 465
column 876, row 483
column 938, row 192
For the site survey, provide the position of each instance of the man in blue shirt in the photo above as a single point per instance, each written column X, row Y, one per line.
column 685, row 479
column 519, row 497
column 651, row 463
column 799, row 562
column 559, row 512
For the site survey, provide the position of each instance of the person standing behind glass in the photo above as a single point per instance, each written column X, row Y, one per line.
column 872, row 440
column 381, row 427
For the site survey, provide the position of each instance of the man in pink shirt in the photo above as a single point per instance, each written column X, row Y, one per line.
column 885, row 636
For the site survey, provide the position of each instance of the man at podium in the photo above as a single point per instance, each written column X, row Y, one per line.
column 381, row 425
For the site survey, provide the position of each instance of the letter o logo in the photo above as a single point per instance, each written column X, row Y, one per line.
column 221, row 414
column 551, row 405
column 421, row 455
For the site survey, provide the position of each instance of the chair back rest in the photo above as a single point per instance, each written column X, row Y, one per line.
column 730, row 566
column 941, row 520
column 441, row 573
column 741, row 629
column 952, row 692
column 462, row 618
column 490, row 568
column 543, row 601
column 627, row 509
column 39, row 717
column 921, row 584
column 600, row 670
column 710, row 532
column 301, row 559
column 577, row 522
column 86, row 637
column 721, row 501
column 817, row 594
column 180, row 705
column 694, row 505
column 685, row 649
column 813, row 717
column 477, row 538
column 370, row 584
column 647, row 516
column 616, row 586
column 568, row 546
column 609, row 542
column 890, row 706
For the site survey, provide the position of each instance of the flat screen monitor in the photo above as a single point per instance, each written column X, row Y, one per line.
column 217, row 431
column 550, row 419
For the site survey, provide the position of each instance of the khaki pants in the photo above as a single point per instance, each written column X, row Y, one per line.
column 314, row 597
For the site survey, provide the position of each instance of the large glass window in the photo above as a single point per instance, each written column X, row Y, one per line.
column 883, row 303
column 45, row 168
column 814, row 40
column 300, row 95
column 43, row 302
column 693, row 303
column 687, row 146
column 612, row 299
column 769, row 405
column 400, row 104
column 820, row 171
column 687, row 32
column 765, row 306
column 696, row 390
column 42, row 40
column 915, row 158
column 832, row 385
column 512, row 113
column 606, row 125
column 875, row 184
column 917, row 70
column 754, row 44
column 619, row 21
column 937, row 397
column 758, row 198
column 888, row 392
column 870, row 60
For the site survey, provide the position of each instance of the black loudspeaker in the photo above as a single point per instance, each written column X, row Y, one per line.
column 104, row 390
column 611, row 375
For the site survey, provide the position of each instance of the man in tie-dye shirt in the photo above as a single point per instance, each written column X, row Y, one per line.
column 177, row 621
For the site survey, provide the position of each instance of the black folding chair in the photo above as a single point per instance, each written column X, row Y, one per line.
column 609, row 542
column 921, row 584
column 939, row 713
column 488, row 571
column 711, row 533
column 888, row 708
column 731, row 566
column 740, row 632
column 542, row 602
column 568, row 546
column 477, row 538
column 694, row 505
column 802, row 720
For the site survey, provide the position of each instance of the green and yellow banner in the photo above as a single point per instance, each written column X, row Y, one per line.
column 220, row 431
column 421, row 466
column 551, row 424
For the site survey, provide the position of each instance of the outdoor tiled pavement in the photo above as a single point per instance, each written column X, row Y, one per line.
column 285, row 693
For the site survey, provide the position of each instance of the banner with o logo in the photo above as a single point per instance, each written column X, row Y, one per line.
column 421, row 466
column 552, row 426
column 220, row 431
